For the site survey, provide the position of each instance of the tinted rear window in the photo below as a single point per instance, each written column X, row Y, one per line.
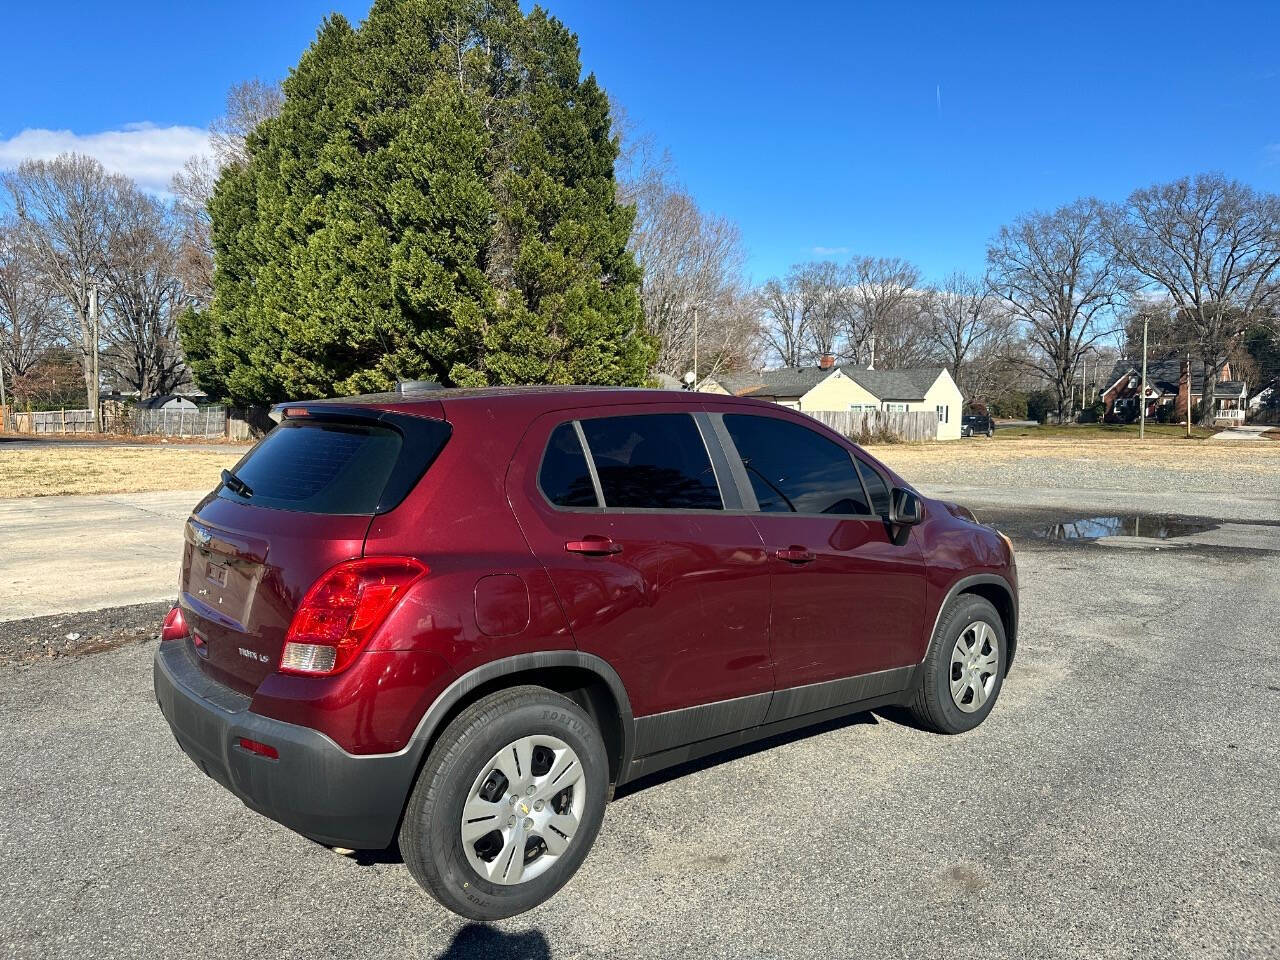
column 317, row 467
column 652, row 461
column 564, row 476
column 794, row 469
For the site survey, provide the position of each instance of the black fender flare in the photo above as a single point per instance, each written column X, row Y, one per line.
column 486, row 673
column 966, row 583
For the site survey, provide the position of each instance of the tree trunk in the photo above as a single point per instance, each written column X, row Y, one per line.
column 1206, row 392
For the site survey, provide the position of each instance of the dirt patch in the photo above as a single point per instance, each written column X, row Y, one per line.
column 51, row 470
column 79, row 634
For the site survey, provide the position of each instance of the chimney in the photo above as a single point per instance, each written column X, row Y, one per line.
column 826, row 361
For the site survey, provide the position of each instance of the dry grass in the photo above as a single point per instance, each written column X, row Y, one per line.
column 1164, row 453
column 52, row 470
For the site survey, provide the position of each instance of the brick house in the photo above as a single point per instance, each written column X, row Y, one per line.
column 1167, row 387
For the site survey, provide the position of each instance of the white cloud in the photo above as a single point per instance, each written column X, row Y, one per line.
column 829, row 251
column 147, row 153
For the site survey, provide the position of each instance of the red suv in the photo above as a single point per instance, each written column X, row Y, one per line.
column 462, row 618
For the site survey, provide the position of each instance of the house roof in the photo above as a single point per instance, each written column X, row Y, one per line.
column 1228, row 388
column 785, row 382
column 1164, row 374
column 910, row 383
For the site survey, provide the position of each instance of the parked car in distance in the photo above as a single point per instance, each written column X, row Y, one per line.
column 974, row 424
column 463, row 618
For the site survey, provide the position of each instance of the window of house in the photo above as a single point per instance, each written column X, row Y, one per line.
column 652, row 461
column 896, row 407
column 792, row 469
column 944, row 414
column 564, row 477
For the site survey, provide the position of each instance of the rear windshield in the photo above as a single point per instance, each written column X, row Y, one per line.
column 320, row 467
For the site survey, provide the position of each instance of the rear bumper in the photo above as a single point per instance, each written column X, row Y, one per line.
column 315, row 787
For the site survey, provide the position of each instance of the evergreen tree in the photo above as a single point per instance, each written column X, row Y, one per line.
column 436, row 199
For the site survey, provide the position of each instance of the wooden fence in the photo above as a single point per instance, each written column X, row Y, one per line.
column 54, row 421
column 200, row 422
column 869, row 426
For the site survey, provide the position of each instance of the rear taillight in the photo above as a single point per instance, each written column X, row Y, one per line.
column 175, row 625
column 342, row 611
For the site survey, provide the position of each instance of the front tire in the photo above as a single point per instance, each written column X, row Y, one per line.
column 508, row 803
column 961, row 676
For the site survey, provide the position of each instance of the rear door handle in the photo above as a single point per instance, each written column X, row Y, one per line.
column 794, row 554
column 594, row 546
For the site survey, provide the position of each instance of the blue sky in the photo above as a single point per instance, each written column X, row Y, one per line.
column 899, row 129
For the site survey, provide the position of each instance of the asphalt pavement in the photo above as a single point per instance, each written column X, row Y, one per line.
column 1119, row 802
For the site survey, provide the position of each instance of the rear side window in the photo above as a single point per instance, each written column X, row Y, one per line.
column 876, row 488
column 330, row 467
column 652, row 461
column 795, row 470
column 564, row 476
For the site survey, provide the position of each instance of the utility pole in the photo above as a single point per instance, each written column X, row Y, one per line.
column 95, row 415
column 1142, row 402
column 695, row 346
column 1188, row 394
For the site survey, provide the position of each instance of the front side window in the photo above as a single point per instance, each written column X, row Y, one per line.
column 794, row 469
column 943, row 413
column 653, row 461
column 877, row 489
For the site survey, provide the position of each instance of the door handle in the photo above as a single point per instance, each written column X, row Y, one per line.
column 594, row 546
column 794, row 554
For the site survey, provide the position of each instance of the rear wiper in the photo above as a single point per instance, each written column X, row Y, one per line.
column 236, row 485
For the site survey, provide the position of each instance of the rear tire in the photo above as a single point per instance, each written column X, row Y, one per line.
column 502, row 757
column 960, row 679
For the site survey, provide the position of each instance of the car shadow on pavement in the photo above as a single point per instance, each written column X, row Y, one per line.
column 746, row 750
column 477, row 940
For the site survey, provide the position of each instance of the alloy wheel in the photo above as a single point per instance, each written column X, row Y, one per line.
column 523, row 809
column 975, row 664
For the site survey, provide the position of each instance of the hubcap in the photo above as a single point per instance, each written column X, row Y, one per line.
column 523, row 809
column 975, row 664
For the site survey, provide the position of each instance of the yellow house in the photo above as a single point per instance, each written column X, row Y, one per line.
column 849, row 387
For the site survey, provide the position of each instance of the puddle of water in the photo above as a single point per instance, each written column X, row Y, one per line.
column 1154, row 526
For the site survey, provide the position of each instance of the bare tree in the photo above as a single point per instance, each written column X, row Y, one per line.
column 903, row 337
column 969, row 330
column 1060, row 277
column 785, row 307
column 248, row 104
column 145, row 297
column 1212, row 245
column 692, row 264
column 65, row 208
column 880, row 287
column 28, row 310
column 806, row 313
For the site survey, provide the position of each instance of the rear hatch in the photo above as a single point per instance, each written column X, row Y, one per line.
column 304, row 500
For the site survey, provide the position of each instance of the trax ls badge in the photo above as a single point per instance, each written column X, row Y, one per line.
column 254, row 655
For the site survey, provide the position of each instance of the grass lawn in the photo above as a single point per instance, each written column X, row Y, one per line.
column 1105, row 431
column 43, row 471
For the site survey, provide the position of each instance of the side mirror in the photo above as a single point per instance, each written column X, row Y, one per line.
column 905, row 509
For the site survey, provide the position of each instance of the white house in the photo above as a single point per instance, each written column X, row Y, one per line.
column 849, row 387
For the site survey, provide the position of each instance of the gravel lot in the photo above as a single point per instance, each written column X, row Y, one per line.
column 1154, row 465
column 1120, row 802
